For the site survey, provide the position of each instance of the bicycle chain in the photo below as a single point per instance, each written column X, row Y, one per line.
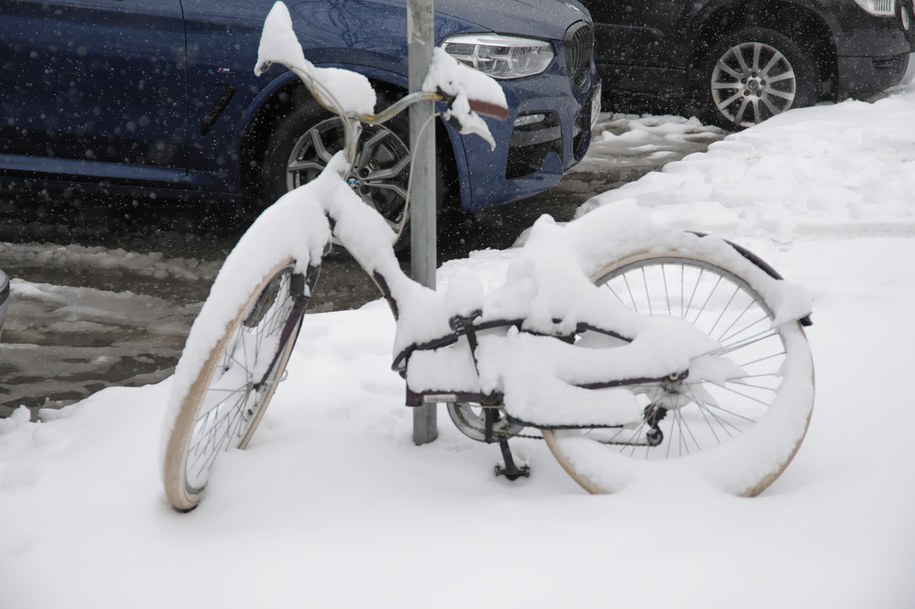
column 506, row 436
column 495, row 434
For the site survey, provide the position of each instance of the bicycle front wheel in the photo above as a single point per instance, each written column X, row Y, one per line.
column 739, row 432
column 224, row 404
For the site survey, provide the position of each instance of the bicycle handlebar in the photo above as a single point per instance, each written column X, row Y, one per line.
column 488, row 109
column 326, row 100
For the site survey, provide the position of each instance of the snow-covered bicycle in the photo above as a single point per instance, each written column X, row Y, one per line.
column 636, row 351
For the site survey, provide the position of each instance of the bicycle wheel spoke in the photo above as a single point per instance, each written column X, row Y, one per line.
column 635, row 305
column 682, row 287
column 735, row 321
column 724, row 310
column 222, row 417
column 740, row 381
column 723, row 424
column 744, row 395
column 689, row 430
column 666, row 289
column 763, row 359
column 635, row 435
column 692, row 296
column 702, row 411
column 647, row 294
column 743, row 343
column 240, row 391
column 708, row 298
column 670, row 443
column 617, row 296
column 746, row 328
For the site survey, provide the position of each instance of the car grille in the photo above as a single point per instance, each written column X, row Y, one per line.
column 579, row 45
column 531, row 143
column 884, row 6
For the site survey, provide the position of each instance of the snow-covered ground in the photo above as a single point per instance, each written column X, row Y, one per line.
column 332, row 505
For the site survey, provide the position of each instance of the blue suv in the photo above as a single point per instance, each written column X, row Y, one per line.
column 159, row 97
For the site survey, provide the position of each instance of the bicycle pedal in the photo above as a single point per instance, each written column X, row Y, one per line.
column 513, row 473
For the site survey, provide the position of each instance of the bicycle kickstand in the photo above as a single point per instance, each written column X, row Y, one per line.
column 510, row 471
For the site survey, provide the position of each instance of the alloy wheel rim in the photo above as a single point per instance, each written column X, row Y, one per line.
column 381, row 172
column 751, row 82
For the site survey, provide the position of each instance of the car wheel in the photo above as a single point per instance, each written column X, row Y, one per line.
column 755, row 74
column 304, row 142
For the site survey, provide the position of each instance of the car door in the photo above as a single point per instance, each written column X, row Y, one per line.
column 90, row 87
column 222, row 43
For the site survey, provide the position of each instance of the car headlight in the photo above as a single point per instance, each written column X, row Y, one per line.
column 881, row 8
column 500, row 56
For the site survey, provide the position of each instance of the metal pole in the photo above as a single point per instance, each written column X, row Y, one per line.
column 421, row 37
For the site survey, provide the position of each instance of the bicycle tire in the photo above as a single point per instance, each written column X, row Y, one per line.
column 766, row 417
column 226, row 401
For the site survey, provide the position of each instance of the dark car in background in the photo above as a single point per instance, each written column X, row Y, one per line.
column 158, row 98
column 737, row 62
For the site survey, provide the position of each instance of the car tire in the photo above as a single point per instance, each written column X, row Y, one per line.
column 305, row 140
column 754, row 74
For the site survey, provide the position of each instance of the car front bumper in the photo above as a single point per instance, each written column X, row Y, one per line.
column 869, row 74
column 544, row 136
column 872, row 53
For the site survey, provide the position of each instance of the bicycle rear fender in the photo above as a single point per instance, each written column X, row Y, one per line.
column 762, row 265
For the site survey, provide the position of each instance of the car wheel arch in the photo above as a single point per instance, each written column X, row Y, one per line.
column 285, row 93
column 808, row 28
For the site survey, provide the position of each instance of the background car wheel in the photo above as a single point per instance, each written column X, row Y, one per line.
column 305, row 140
column 755, row 74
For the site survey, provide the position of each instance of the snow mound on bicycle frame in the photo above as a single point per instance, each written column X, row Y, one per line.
column 548, row 285
column 550, row 278
column 350, row 91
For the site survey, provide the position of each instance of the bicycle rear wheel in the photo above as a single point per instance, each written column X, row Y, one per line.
column 738, row 432
column 228, row 397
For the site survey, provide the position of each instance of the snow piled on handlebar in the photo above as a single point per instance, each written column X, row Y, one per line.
column 449, row 76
